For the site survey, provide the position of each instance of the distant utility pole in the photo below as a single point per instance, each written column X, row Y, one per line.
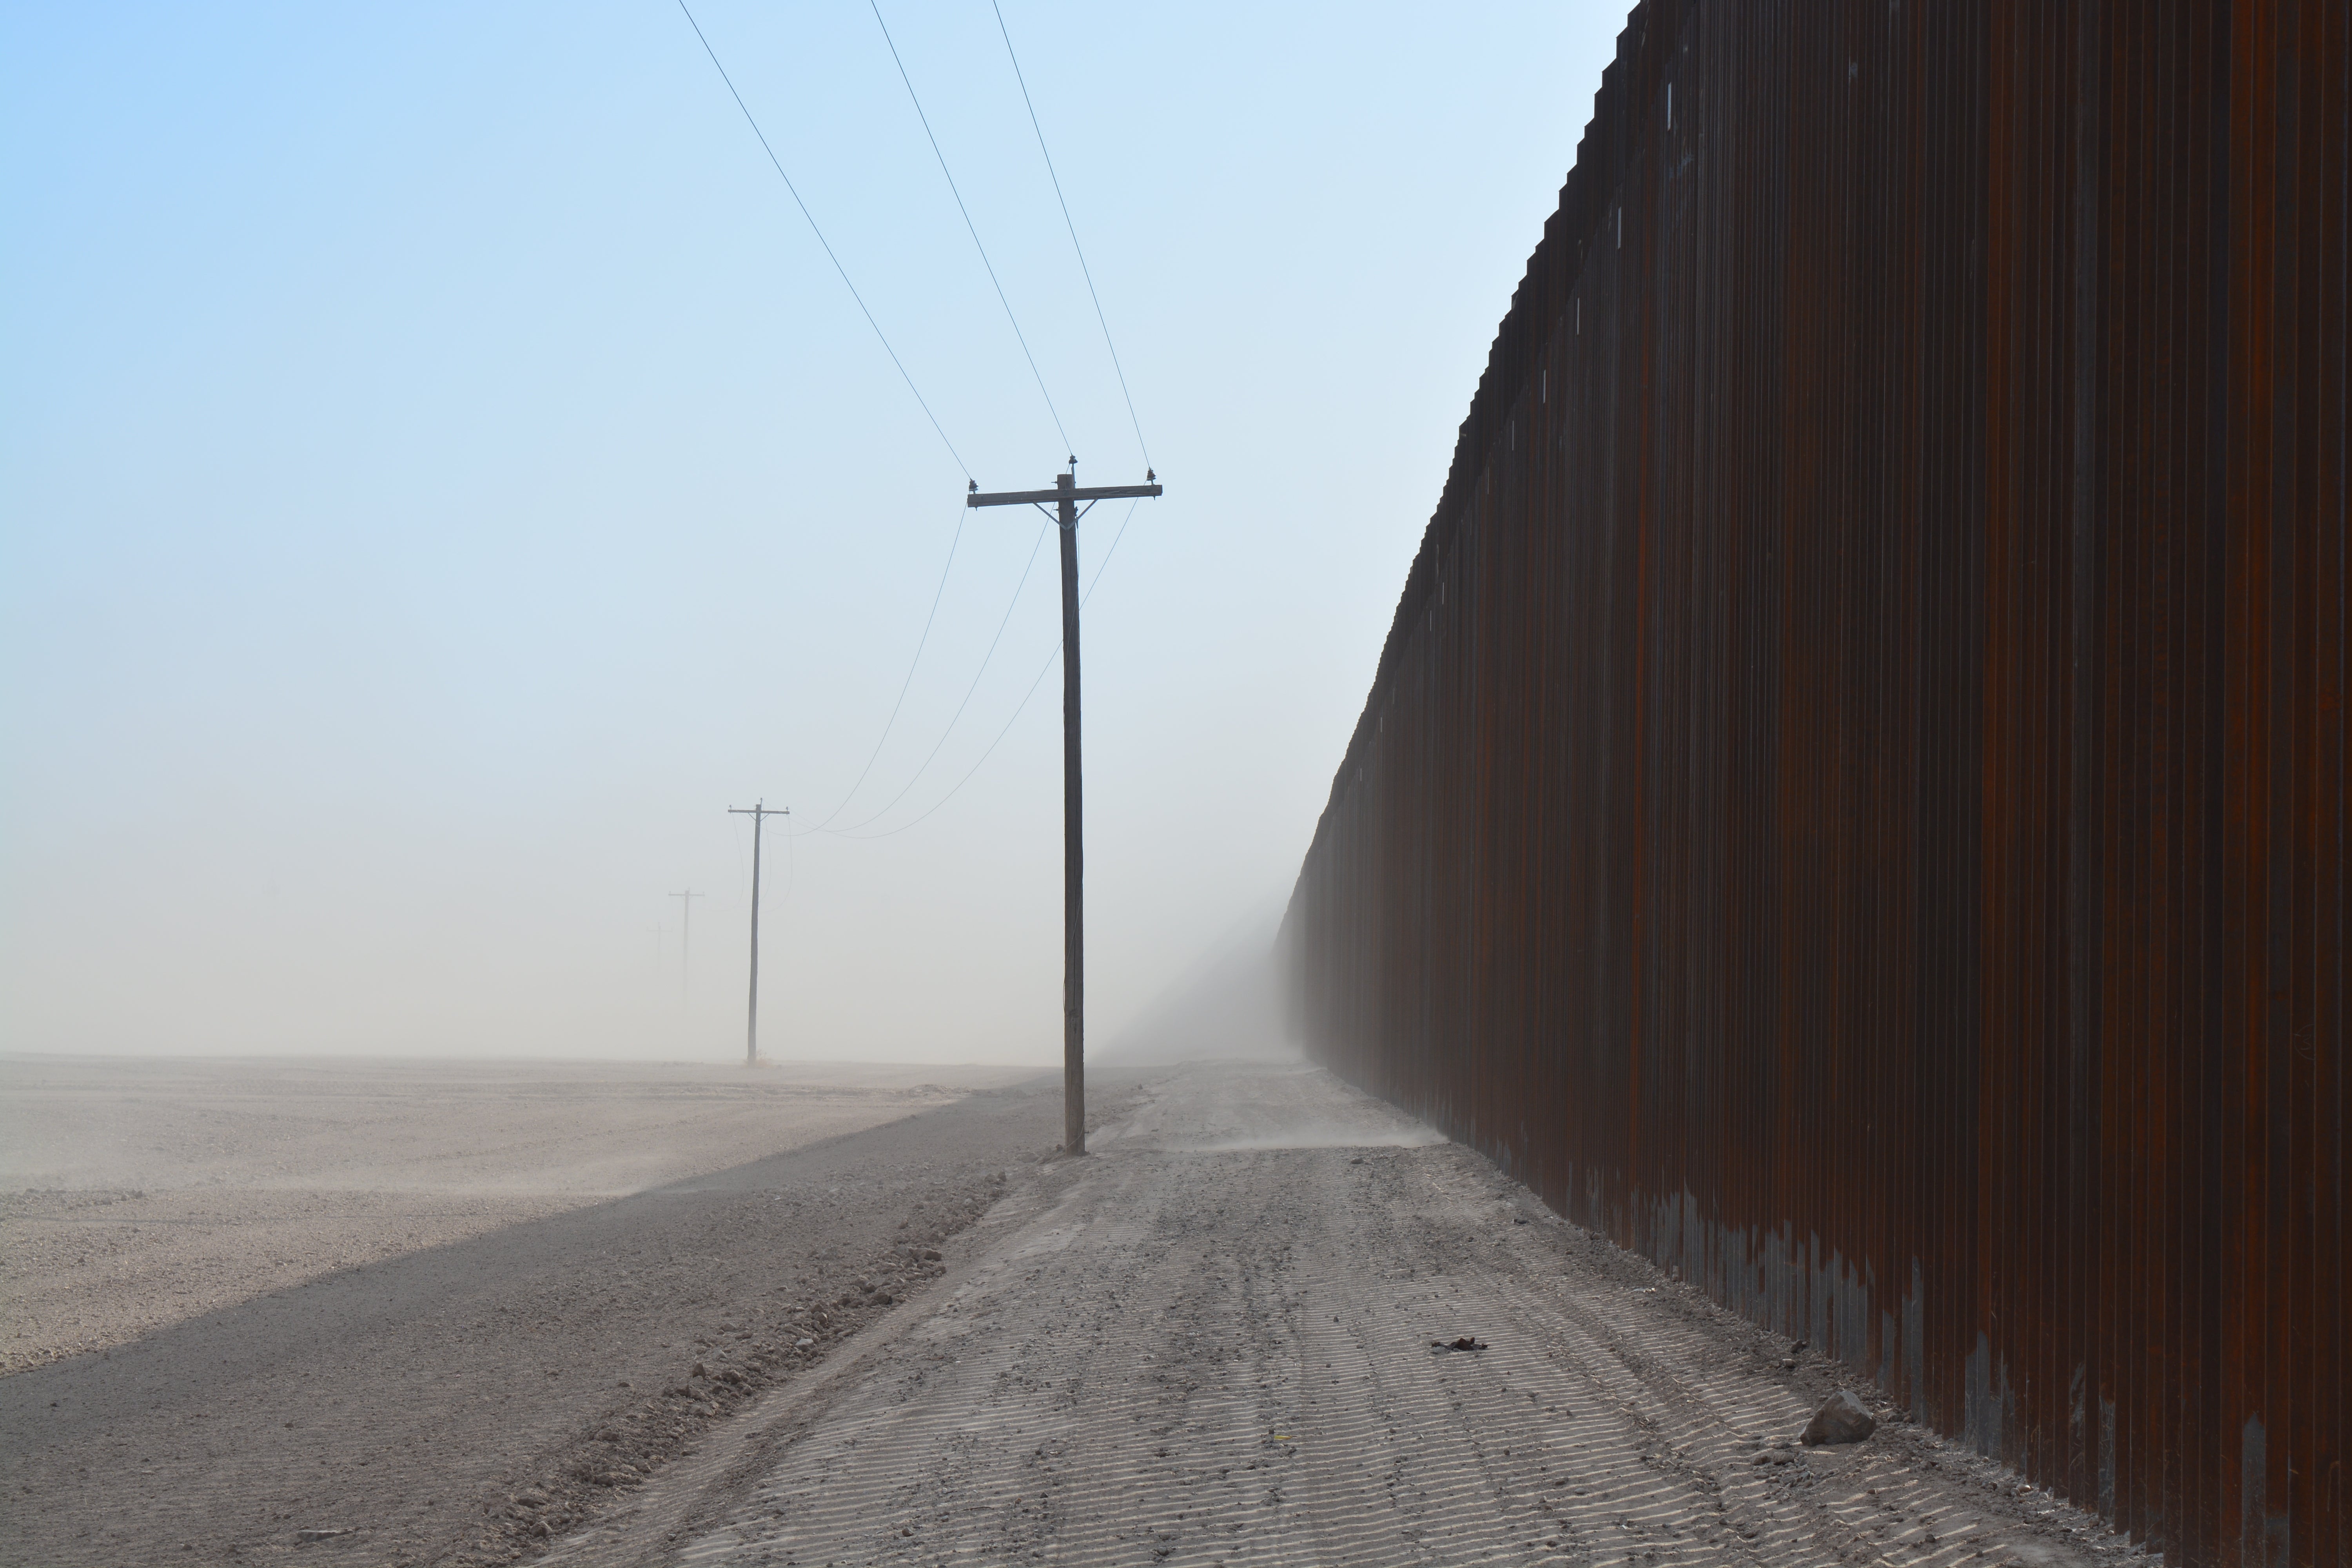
column 1066, row 496
column 759, row 813
column 685, row 941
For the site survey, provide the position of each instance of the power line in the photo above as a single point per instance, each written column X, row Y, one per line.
column 1101, row 319
column 852, row 829
column 837, row 267
column 1073, row 226
column 1024, row 704
column 962, row 513
column 1102, row 565
column 969, row 227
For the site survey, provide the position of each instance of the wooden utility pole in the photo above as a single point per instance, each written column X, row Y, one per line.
column 759, row 814
column 686, row 941
column 1064, row 497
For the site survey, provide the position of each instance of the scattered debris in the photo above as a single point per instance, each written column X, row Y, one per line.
column 1844, row 1419
column 1464, row 1343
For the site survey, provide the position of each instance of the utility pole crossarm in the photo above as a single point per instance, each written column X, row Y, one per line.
column 1042, row 497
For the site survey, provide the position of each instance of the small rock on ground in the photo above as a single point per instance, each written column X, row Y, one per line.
column 1844, row 1419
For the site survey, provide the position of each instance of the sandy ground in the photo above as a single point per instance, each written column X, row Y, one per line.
column 135, row 1194
column 932, row 1340
column 464, row 1403
column 1210, row 1342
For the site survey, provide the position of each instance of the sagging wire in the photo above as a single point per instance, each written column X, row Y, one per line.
column 962, row 513
column 850, row 831
column 1050, row 660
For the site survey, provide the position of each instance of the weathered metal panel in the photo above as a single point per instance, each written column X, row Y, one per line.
column 1852, row 802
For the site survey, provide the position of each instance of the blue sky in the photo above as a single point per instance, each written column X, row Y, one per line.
column 440, row 472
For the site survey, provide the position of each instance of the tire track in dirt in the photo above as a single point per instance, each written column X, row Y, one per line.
column 1202, row 1346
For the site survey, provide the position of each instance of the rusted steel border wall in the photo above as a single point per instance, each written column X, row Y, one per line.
column 1853, row 801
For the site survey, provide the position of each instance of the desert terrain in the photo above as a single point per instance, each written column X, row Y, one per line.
column 135, row 1193
column 397, row 1297
column 1225, row 1336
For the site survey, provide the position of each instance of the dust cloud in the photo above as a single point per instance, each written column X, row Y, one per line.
column 1228, row 1006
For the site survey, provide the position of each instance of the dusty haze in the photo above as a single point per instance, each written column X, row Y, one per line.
column 440, row 473
column 1228, row 1004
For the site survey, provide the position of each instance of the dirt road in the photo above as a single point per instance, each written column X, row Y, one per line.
column 1210, row 1342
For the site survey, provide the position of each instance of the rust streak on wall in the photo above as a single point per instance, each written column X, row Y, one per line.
column 1851, row 804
